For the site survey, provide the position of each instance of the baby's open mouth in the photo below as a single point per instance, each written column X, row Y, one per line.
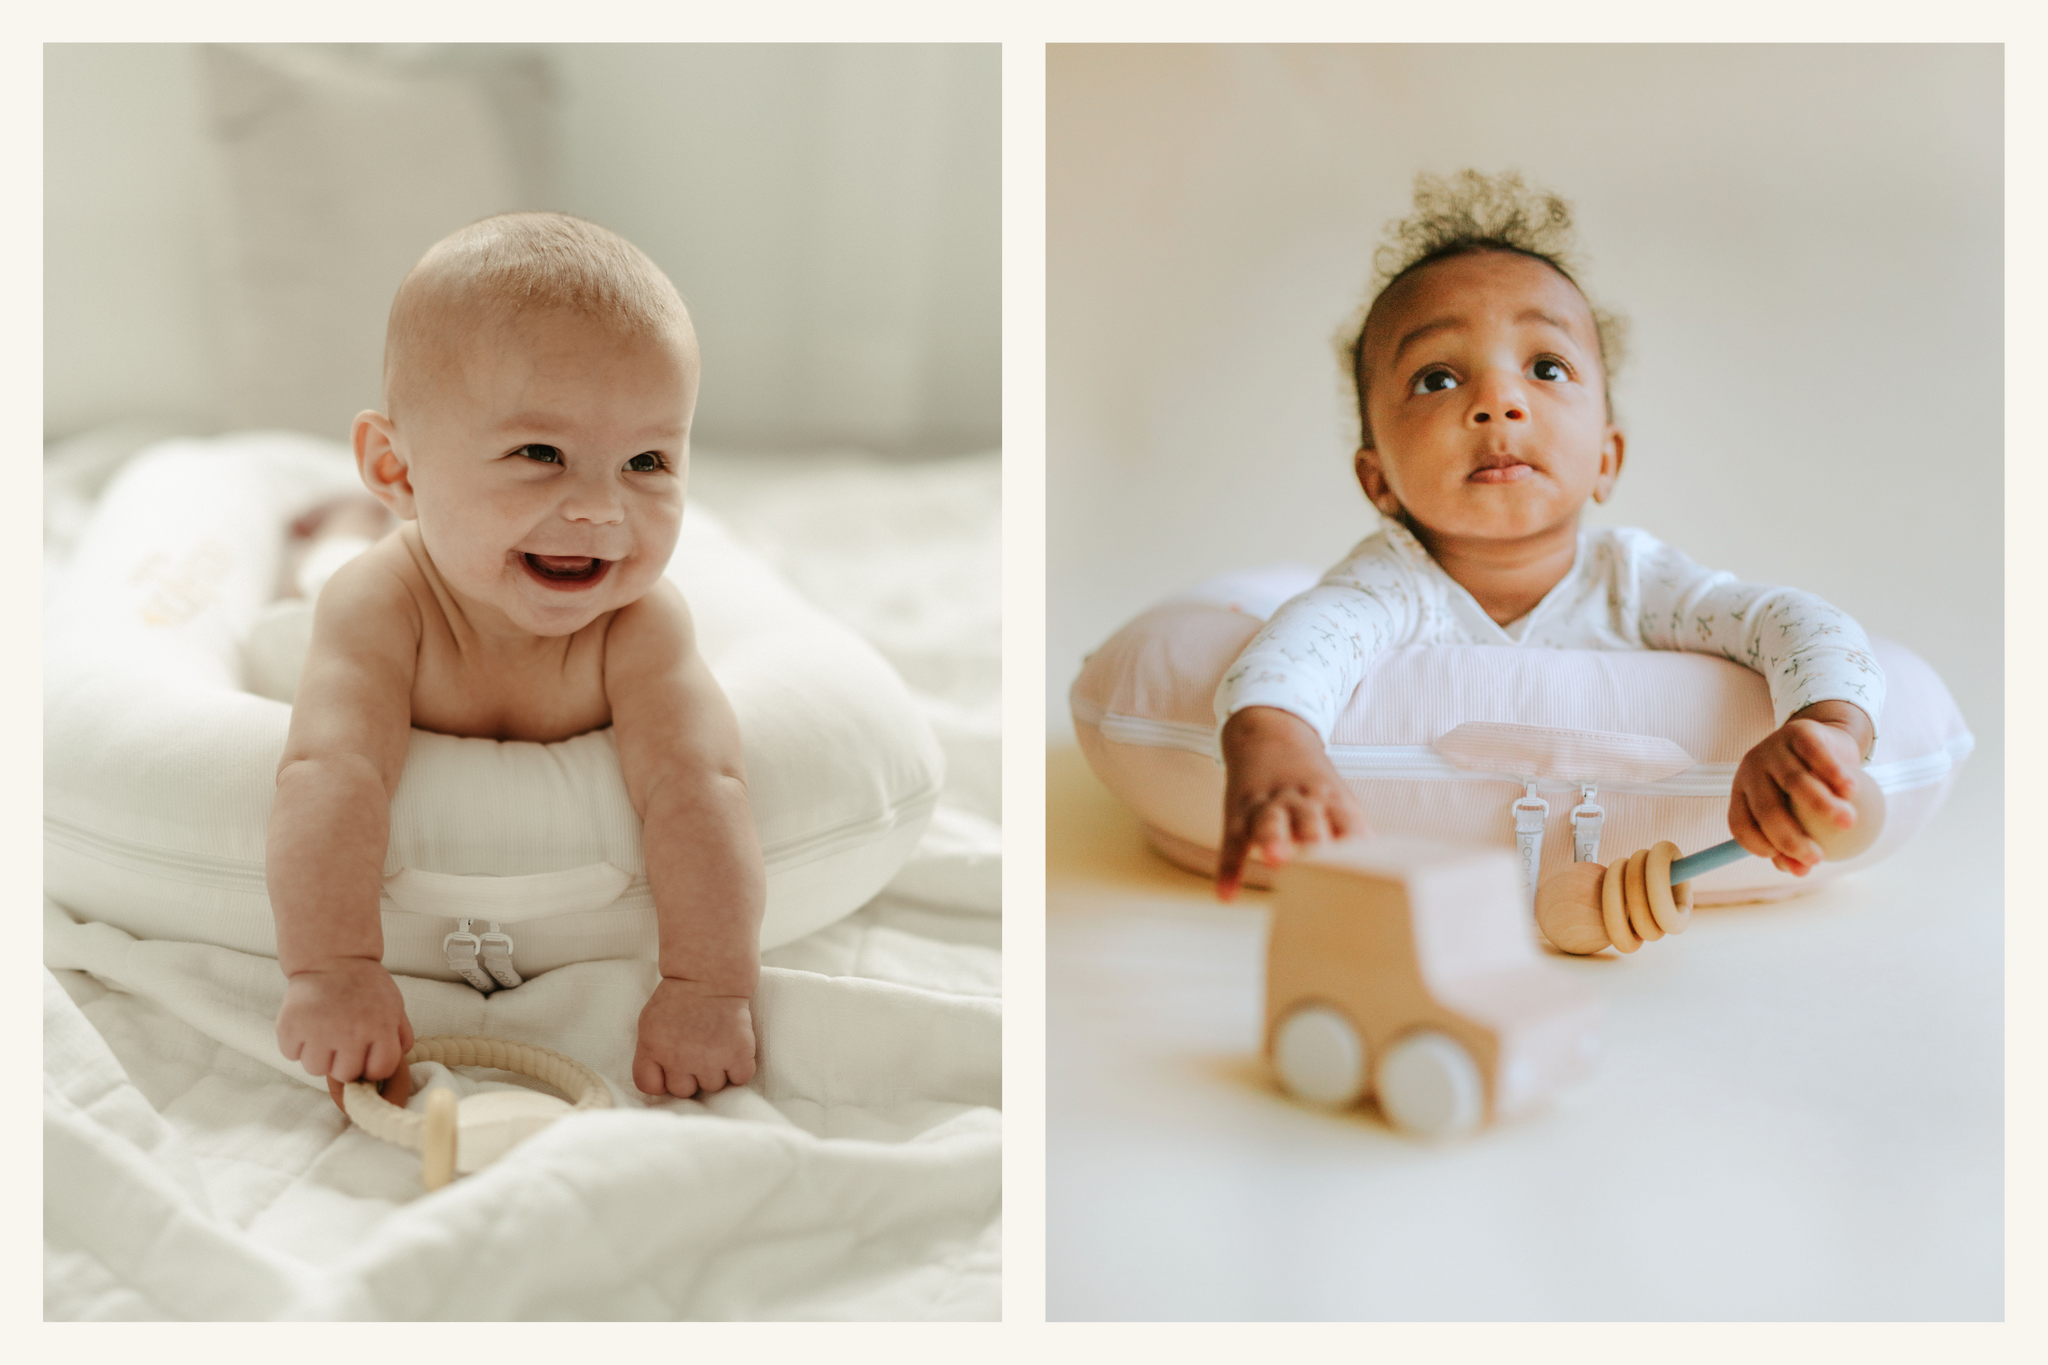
column 566, row 570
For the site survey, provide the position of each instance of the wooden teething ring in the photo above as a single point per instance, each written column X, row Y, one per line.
column 432, row 1134
column 1638, row 903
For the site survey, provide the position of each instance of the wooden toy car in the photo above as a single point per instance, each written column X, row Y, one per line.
column 1407, row 969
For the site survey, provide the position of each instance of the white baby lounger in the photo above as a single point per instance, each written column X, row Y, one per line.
column 159, row 767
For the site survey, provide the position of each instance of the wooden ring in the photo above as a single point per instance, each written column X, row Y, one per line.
column 1639, row 917
column 1612, row 916
column 1669, row 914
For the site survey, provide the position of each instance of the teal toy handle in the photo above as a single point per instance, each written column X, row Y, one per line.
column 1706, row 860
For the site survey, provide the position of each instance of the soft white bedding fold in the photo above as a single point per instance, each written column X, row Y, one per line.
column 190, row 1172
column 200, row 1176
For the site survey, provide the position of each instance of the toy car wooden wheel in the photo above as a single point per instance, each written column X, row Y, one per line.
column 1320, row 1057
column 1429, row 1085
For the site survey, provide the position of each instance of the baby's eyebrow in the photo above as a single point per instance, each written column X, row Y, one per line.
column 1426, row 329
column 1538, row 315
column 544, row 423
column 1436, row 325
column 532, row 421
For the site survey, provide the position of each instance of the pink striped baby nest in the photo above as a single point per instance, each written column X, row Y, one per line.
column 1597, row 753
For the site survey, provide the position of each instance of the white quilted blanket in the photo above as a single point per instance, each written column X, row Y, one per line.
column 189, row 1172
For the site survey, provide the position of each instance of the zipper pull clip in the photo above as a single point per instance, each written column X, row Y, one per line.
column 1530, row 813
column 1587, row 819
column 461, row 950
column 497, row 951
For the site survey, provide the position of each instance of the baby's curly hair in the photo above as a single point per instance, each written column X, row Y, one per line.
column 1470, row 212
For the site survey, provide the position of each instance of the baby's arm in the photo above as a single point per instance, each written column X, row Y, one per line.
column 342, row 1016
column 1278, row 702
column 1826, row 690
column 679, row 749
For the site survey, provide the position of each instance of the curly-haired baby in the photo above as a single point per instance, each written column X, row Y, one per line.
column 1485, row 424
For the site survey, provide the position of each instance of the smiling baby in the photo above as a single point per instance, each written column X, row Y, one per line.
column 540, row 374
column 1485, row 426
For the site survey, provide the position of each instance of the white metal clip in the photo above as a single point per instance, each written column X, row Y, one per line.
column 461, row 948
column 497, row 950
column 1587, row 818
column 1530, row 812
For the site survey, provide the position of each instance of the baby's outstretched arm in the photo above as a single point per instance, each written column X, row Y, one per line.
column 1280, row 791
column 342, row 1016
column 1809, row 763
column 679, row 749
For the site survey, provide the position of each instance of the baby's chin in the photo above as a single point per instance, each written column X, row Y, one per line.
column 1499, row 519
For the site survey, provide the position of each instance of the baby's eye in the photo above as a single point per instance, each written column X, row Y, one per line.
column 646, row 462
column 1435, row 381
column 1549, row 370
column 544, row 454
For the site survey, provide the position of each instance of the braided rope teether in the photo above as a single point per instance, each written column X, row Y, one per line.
column 433, row 1134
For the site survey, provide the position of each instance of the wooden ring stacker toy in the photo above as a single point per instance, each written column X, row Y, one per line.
column 1586, row 907
column 454, row 1138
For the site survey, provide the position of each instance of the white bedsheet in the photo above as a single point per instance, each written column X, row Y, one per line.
column 190, row 1172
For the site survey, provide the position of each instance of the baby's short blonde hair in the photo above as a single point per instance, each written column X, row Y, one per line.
column 490, row 273
column 1471, row 212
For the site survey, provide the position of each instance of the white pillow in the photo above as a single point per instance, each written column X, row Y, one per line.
column 338, row 172
column 159, row 767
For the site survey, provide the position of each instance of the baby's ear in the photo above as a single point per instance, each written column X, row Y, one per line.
column 382, row 465
column 1612, row 447
column 1373, row 480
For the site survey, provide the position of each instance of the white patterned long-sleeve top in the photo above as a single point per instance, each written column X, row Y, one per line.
column 1626, row 590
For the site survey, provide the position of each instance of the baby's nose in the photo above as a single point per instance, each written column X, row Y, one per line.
column 601, row 505
column 1498, row 401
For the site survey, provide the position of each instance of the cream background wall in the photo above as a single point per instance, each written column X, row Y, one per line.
column 829, row 212
column 1807, row 241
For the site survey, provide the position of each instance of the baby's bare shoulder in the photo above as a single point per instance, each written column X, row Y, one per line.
column 374, row 599
column 653, row 633
column 354, row 693
column 668, row 712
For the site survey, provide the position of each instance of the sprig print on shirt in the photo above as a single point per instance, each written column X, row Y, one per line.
column 1625, row 590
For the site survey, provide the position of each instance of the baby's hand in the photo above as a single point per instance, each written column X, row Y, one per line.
column 344, row 1020
column 692, row 1040
column 1279, row 792
column 1806, row 766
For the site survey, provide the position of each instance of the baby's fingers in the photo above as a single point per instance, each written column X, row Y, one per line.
column 1311, row 823
column 1781, row 828
column 1272, row 834
column 382, row 1061
column 1230, row 863
column 1742, row 824
column 350, row 1059
column 647, row 1076
column 1814, row 799
column 1826, row 752
column 1345, row 815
